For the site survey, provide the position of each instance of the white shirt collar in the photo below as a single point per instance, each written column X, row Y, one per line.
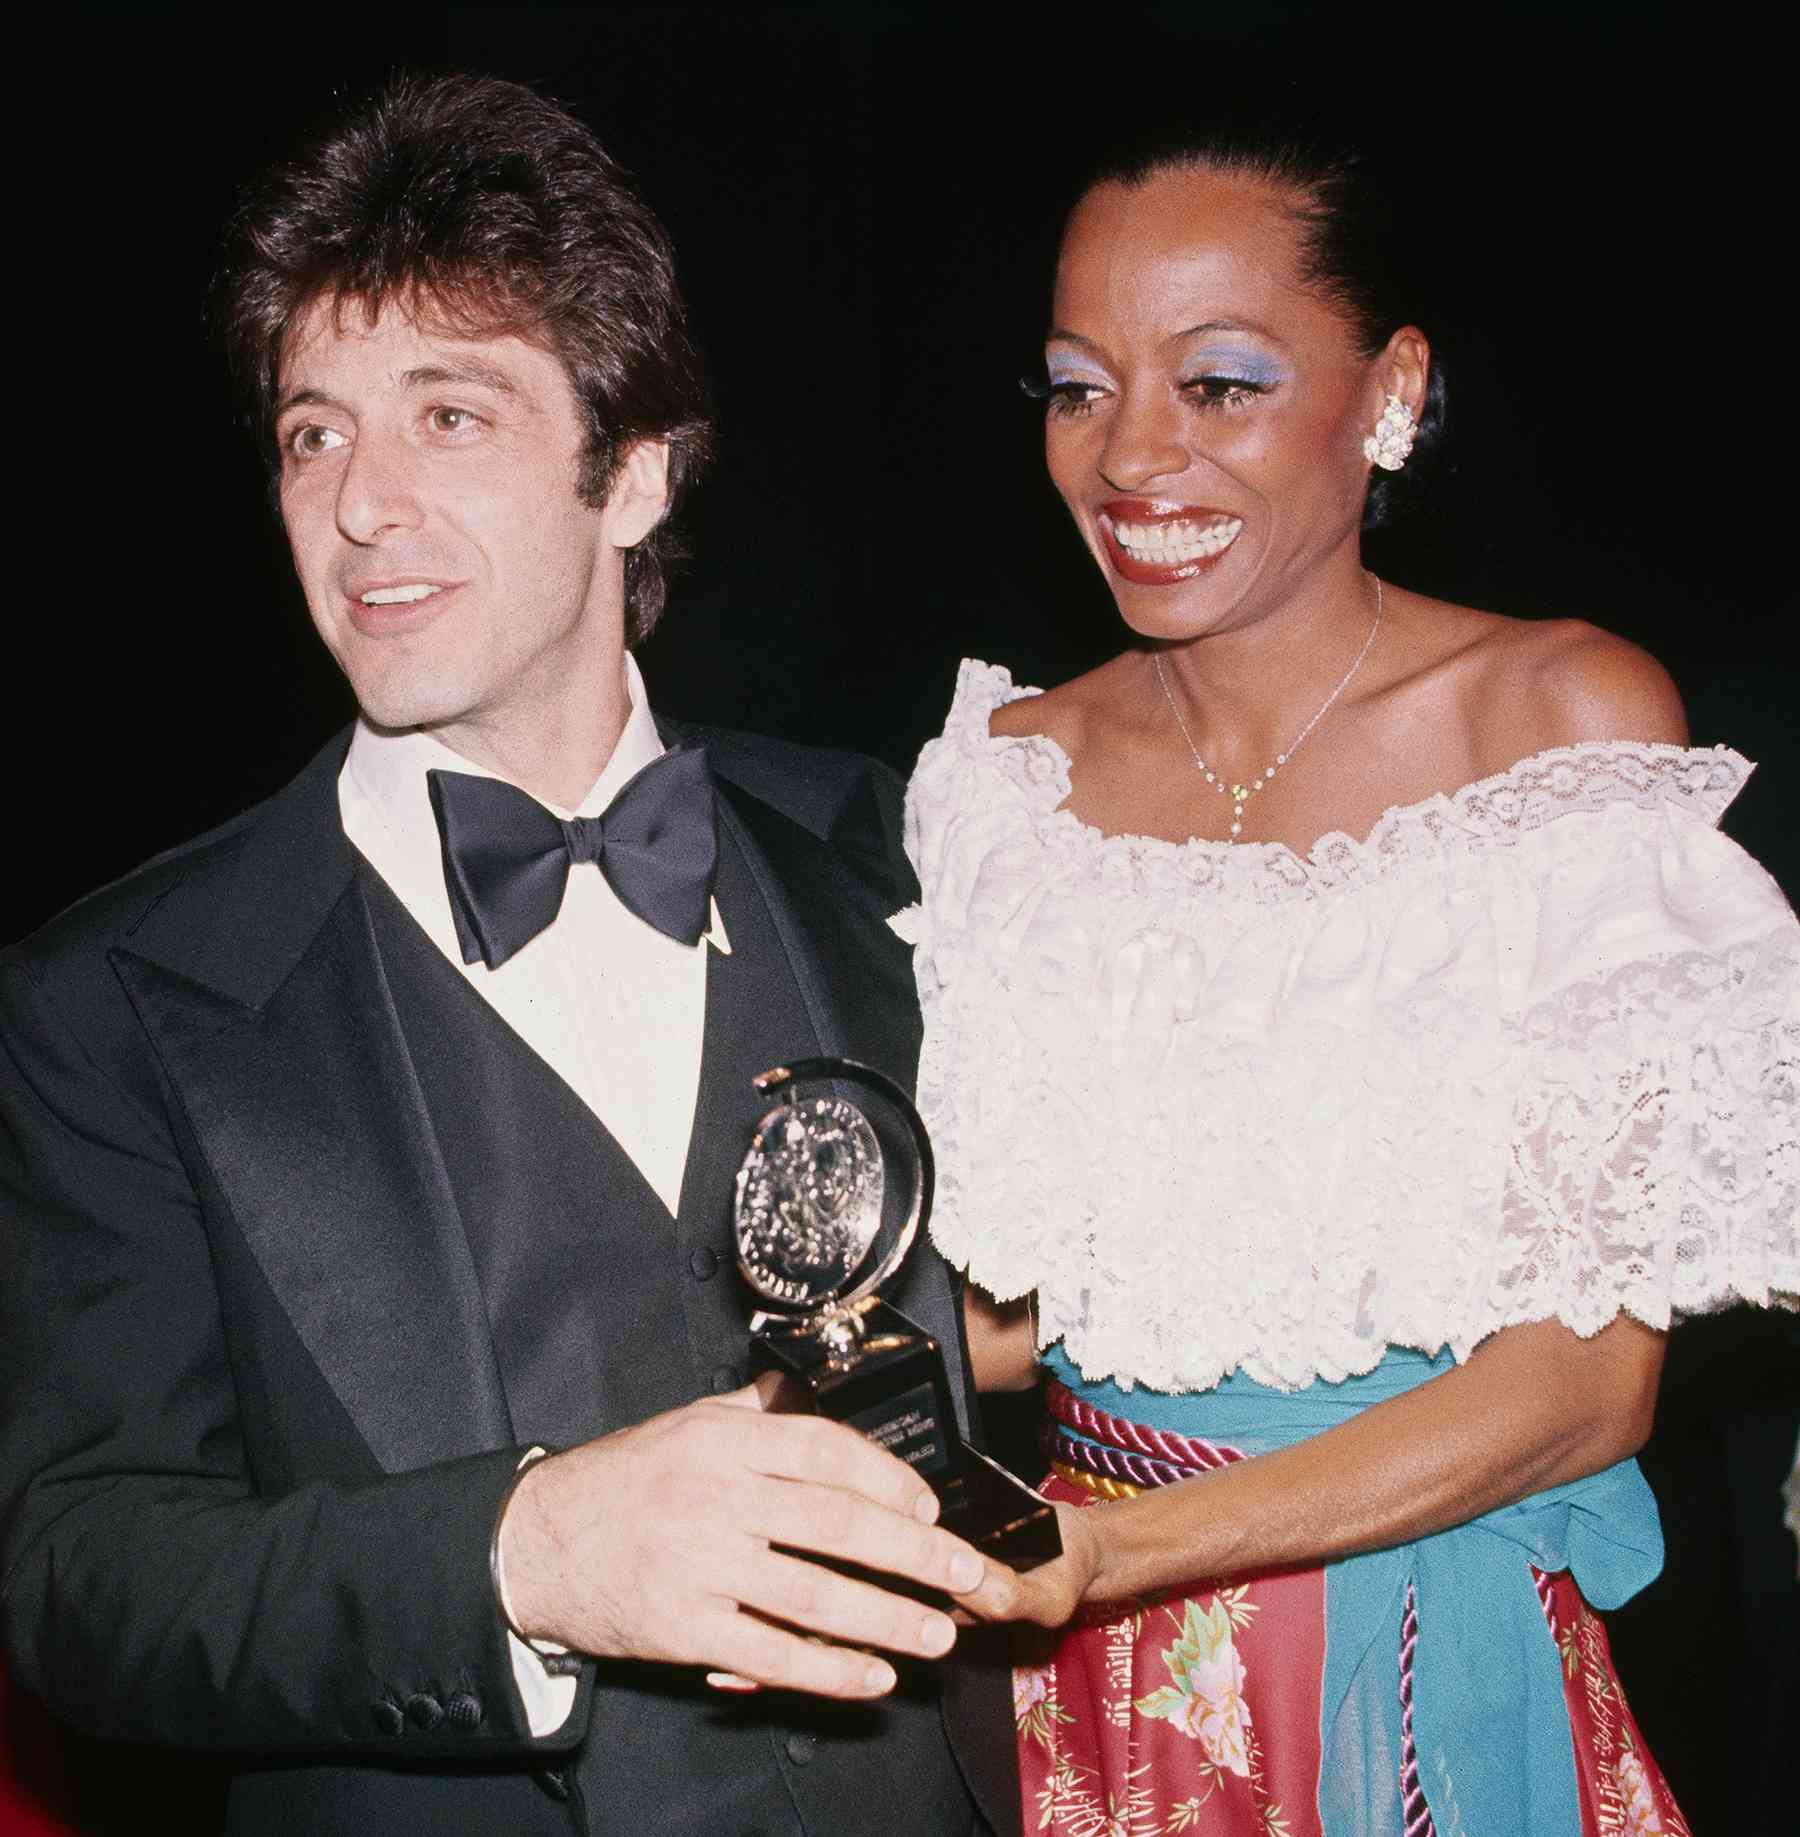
column 386, row 804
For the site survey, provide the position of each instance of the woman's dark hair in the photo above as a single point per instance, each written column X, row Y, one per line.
column 486, row 209
column 1349, row 245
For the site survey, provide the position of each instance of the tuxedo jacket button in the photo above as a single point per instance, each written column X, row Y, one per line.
column 725, row 1378
column 424, row 1712
column 387, row 1718
column 464, row 1710
column 800, row 1749
column 704, row 1263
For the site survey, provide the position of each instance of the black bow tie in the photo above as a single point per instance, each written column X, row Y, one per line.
column 507, row 858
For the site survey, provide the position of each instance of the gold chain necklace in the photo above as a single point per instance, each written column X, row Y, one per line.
column 1241, row 794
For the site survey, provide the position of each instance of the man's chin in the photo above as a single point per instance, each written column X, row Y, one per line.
column 397, row 700
column 385, row 722
column 401, row 713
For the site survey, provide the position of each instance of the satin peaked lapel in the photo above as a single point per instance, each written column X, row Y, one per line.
column 855, row 976
column 854, row 973
column 276, row 1030
column 756, row 1017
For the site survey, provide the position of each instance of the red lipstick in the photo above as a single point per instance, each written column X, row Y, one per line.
column 1154, row 543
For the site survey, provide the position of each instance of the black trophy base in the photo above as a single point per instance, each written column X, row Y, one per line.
column 995, row 1510
column 894, row 1389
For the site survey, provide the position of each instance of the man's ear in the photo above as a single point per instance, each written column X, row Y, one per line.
column 639, row 494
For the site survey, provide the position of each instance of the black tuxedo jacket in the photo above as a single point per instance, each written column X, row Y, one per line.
column 301, row 1246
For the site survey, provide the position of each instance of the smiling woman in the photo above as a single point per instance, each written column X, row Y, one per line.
column 1341, row 1127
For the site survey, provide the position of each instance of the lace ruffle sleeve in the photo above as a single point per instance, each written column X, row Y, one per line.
column 1653, row 1152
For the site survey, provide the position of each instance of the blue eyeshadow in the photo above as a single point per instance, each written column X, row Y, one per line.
column 1062, row 371
column 1241, row 366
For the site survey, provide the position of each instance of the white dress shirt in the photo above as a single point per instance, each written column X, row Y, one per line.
column 615, row 1008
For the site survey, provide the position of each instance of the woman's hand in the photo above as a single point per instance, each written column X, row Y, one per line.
column 1049, row 1595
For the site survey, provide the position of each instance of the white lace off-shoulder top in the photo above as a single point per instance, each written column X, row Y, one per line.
column 1528, row 1050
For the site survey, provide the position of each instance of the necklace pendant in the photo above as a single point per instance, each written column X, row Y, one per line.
column 1240, row 795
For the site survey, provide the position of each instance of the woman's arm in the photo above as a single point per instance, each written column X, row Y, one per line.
column 1002, row 1340
column 1534, row 1407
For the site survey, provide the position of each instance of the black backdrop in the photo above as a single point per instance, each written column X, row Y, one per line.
column 863, row 199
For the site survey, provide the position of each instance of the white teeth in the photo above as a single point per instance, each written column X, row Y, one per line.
column 398, row 596
column 1177, row 541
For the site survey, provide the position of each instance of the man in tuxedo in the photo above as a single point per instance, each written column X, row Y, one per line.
column 376, row 1403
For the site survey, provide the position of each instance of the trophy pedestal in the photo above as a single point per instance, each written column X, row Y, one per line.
column 891, row 1386
column 816, row 1238
column 995, row 1510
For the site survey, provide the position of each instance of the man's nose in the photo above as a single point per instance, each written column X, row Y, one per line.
column 1144, row 441
column 377, row 493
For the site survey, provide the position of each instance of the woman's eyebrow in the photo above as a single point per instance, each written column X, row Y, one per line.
column 1057, row 335
column 1225, row 325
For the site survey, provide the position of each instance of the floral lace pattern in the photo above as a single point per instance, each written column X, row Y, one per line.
column 1529, row 1050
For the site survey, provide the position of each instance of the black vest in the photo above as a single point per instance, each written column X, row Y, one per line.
column 605, row 1310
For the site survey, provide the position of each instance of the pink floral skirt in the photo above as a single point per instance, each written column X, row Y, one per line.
column 1198, row 1713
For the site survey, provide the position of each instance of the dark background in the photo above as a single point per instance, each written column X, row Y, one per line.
column 864, row 199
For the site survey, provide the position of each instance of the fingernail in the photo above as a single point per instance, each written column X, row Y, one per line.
column 966, row 1571
column 936, row 1635
column 879, row 1678
column 925, row 1508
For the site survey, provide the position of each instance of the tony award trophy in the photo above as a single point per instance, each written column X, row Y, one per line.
column 828, row 1205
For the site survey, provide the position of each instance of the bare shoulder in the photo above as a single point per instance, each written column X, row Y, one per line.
column 1561, row 682
column 1065, row 714
column 1596, row 685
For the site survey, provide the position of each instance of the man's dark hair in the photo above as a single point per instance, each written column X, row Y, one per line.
column 483, row 208
column 1351, row 244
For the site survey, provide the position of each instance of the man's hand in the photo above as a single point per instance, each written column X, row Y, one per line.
column 670, row 1540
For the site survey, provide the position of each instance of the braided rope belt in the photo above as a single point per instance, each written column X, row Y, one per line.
column 1115, row 1457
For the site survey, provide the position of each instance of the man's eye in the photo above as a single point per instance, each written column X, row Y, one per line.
column 309, row 442
column 451, row 420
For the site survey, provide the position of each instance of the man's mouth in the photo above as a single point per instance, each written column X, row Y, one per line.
column 394, row 608
column 399, row 596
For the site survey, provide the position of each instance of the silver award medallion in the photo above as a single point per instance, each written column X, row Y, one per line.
column 809, row 1201
column 826, row 1211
